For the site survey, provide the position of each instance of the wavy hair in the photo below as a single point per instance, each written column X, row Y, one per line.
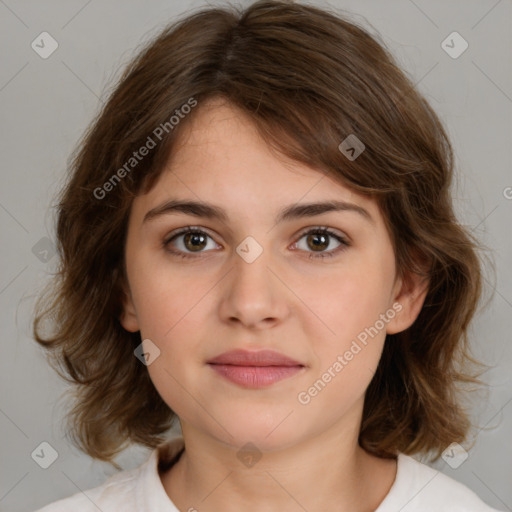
column 308, row 78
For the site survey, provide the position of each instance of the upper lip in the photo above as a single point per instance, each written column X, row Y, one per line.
column 258, row 358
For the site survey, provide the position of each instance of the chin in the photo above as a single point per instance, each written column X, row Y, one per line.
column 267, row 434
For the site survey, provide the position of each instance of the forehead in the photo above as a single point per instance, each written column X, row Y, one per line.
column 220, row 157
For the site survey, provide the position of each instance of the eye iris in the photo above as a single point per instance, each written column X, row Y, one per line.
column 316, row 236
column 197, row 241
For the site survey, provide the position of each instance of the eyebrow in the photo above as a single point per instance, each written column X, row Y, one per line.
column 293, row 211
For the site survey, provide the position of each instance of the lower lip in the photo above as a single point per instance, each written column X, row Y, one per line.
column 255, row 376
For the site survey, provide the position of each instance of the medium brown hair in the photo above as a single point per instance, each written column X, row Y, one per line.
column 308, row 78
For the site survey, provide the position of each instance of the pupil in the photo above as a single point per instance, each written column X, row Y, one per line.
column 321, row 245
column 193, row 238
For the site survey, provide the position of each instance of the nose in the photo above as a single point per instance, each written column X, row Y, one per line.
column 252, row 294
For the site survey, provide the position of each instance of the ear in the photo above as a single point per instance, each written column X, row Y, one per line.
column 128, row 316
column 409, row 295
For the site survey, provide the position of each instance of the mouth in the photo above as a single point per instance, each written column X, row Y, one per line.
column 255, row 358
column 255, row 369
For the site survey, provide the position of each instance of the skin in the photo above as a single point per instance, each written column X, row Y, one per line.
column 308, row 309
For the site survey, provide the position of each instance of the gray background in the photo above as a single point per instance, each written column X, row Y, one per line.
column 47, row 103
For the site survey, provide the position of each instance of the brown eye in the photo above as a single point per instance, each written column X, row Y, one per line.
column 319, row 239
column 186, row 242
column 194, row 241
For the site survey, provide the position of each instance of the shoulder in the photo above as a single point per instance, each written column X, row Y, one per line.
column 118, row 491
column 420, row 488
column 139, row 489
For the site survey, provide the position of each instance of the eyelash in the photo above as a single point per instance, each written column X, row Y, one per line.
column 316, row 230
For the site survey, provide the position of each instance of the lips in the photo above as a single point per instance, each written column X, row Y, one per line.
column 255, row 369
column 259, row 358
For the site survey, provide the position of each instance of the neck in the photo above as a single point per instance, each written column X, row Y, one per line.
column 327, row 472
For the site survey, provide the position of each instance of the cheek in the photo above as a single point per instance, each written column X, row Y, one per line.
column 163, row 294
column 172, row 316
column 348, row 352
column 345, row 302
column 172, row 310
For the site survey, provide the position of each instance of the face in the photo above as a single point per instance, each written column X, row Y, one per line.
column 252, row 281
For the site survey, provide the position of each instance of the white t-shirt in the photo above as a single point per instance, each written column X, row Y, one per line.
column 417, row 488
